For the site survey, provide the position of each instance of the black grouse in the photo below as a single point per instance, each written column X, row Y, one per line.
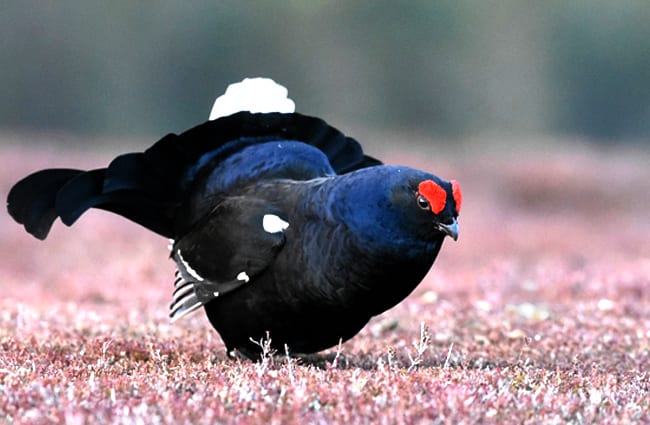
column 279, row 224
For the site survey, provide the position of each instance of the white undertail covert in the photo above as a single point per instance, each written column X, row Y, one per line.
column 257, row 95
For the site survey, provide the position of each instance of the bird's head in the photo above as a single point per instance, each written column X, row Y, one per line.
column 425, row 205
column 403, row 206
column 439, row 202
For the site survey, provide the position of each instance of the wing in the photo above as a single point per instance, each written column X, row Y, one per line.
column 229, row 248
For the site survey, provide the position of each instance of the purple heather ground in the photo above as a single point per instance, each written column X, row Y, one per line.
column 540, row 313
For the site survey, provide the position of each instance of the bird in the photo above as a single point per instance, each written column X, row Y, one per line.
column 280, row 226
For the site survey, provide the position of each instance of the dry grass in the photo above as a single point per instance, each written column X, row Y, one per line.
column 539, row 314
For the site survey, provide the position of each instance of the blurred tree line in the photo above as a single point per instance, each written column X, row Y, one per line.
column 443, row 68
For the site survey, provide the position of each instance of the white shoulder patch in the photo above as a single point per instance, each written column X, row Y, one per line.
column 273, row 224
column 253, row 95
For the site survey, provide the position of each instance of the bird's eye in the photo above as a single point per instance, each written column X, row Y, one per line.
column 422, row 202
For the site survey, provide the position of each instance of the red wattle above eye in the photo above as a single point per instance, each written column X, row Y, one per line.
column 436, row 195
column 458, row 196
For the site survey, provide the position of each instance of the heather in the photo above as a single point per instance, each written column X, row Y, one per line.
column 538, row 314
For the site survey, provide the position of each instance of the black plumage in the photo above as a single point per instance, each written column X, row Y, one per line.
column 280, row 224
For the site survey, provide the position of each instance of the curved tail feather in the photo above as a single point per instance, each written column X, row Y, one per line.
column 31, row 202
column 38, row 199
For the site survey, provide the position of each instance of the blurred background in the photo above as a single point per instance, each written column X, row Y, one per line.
column 452, row 71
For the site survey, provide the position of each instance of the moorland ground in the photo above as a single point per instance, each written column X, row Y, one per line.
column 540, row 313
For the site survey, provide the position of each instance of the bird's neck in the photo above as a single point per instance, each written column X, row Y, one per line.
column 387, row 265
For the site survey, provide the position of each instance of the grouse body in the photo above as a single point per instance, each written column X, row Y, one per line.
column 280, row 224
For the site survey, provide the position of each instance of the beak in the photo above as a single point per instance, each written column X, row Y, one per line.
column 450, row 230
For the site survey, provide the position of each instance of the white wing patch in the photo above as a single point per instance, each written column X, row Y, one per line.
column 189, row 268
column 273, row 224
column 253, row 95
